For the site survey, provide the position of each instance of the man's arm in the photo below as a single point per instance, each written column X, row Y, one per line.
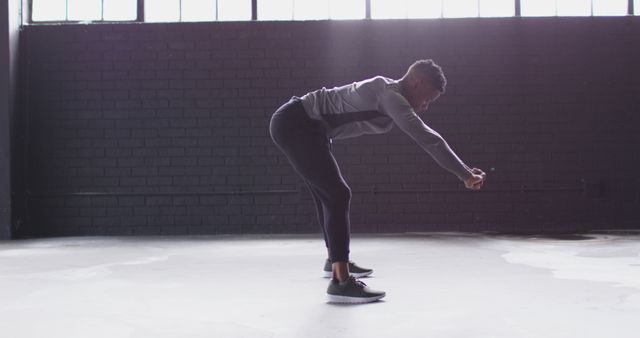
column 406, row 119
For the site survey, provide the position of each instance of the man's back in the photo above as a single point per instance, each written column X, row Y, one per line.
column 354, row 109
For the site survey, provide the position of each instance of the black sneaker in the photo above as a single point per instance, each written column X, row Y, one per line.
column 354, row 270
column 351, row 291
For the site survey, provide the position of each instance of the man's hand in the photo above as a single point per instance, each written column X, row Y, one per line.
column 476, row 180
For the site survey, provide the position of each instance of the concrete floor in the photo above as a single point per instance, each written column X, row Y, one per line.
column 438, row 285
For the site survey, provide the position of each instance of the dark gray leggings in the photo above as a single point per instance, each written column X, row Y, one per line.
column 307, row 147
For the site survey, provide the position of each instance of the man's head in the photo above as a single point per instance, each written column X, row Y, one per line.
column 423, row 83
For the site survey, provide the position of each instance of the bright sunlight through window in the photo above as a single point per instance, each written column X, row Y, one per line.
column 197, row 10
column 241, row 10
column 459, row 8
column 84, row 10
column 497, row 8
column 120, row 10
column 610, row 7
column 574, row 7
column 49, row 10
column 403, row 9
column 162, row 10
column 311, row 9
column 275, row 10
column 234, row 10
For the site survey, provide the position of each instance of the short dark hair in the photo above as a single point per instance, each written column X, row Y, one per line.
column 430, row 71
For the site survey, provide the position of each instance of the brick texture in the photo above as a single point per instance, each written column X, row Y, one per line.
column 154, row 129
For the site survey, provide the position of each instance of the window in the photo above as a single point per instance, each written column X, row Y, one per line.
column 155, row 10
column 538, row 7
column 120, row 10
column 84, row 10
column 275, row 10
column 459, row 8
column 610, row 7
column 197, row 10
column 310, row 9
column 497, row 8
column 162, row 10
column 80, row 10
column 389, row 9
column 347, row 9
column 234, row 10
column 402, row 9
column 52, row 10
column 573, row 7
column 242, row 10
column 419, row 9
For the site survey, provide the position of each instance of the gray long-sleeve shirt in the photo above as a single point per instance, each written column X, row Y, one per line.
column 373, row 106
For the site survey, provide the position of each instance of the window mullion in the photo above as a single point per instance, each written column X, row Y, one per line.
column 254, row 10
column 367, row 9
column 141, row 10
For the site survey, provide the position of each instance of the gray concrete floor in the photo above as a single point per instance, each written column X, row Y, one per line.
column 438, row 285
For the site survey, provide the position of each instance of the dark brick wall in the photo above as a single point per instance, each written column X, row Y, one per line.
column 162, row 128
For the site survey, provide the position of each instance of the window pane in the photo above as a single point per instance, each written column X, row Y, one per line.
column 234, row 10
column 85, row 10
column 198, row 10
column 347, row 9
column 388, row 9
column 610, row 7
column 496, row 8
column 49, row 10
column 162, row 10
column 418, row 9
column 460, row 8
column 311, row 10
column 538, row 7
column 275, row 9
column 574, row 7
column 120, row 10
column 636, row 7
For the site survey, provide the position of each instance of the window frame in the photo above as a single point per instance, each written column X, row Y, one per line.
column 140, row 17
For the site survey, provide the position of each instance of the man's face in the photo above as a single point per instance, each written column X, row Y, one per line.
column 423, row 95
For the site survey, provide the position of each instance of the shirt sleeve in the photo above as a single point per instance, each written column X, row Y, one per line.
column 397, row 107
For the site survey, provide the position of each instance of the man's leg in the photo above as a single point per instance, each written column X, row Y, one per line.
column 320, row 212
column 354, row 269
column 332, row 196
column 307, row 148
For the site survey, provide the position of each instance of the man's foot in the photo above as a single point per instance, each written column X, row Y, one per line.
column 354, row 270
column 351, row 291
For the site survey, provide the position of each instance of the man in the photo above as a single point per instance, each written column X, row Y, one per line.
column 304, row 127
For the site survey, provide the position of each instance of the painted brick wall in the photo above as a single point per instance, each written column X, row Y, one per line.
column 162, row 128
